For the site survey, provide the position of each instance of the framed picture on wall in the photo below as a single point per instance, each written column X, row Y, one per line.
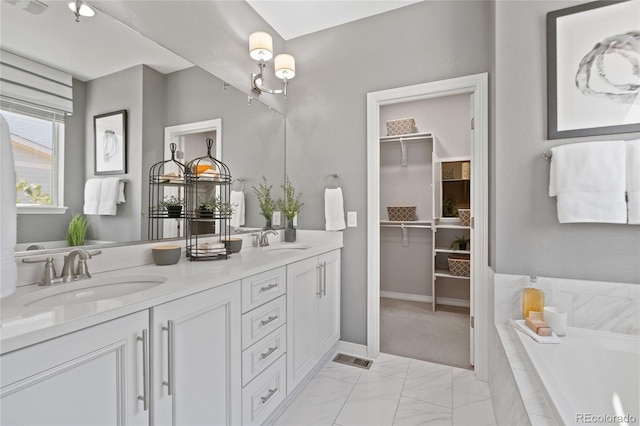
column 110, row 143
column 593, row 82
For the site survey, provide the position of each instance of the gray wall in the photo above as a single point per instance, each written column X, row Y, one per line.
column 326, row 109
column 528, row 237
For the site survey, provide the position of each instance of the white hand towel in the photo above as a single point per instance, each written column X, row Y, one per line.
column 237, row 202
column 121, row 197
column 334, row 209
column 8, row 224
column 589, row 180
column 633, row 181
column 92, row 196
column 109, row 196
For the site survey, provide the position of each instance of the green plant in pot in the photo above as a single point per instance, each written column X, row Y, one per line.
column 173, row 205
column 265, row 200
column 77, row 230
column 460, row 243
column 206, row 206
column 290, row 207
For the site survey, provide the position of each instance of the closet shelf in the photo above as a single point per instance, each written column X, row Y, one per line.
column 444, row 250
column 443, row 273
column 450, row 226
column 424, row 224
column 407, row 137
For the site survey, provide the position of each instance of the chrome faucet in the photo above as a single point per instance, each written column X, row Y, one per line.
column 262, row 240
column 68, row 271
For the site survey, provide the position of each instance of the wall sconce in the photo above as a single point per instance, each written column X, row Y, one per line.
column 261, row 49
column 79, row 8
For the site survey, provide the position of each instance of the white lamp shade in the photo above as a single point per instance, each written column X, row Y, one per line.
column 84, row 9
column 285, row 66
column 260, row 46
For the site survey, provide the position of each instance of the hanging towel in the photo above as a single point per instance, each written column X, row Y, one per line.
column 237, row 202
column 633, row 181
column 589, row 180
column 8, row 218
column 110, row 196
column 334, row 209
column 92, row 196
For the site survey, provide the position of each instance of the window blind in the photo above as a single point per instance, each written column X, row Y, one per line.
column 27, row 81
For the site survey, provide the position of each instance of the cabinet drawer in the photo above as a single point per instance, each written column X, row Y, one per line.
column 262, row 396
column 263, row 320
column 264, row 353
column 262, row 288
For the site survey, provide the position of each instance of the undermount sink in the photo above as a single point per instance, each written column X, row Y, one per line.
column 92, row 290
column 287, row 246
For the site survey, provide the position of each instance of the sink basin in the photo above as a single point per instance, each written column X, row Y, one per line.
column 92, row 290
column 287, row 246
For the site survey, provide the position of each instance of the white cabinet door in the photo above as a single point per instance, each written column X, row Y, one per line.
column 329, row 301
column 89, row 377
column 197, row 359
column 303, row 292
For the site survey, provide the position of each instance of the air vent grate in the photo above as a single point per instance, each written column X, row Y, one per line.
column 352, row 360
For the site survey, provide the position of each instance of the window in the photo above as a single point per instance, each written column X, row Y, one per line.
column 37, row 139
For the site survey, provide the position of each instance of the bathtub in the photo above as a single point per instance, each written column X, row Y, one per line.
column 591, row 377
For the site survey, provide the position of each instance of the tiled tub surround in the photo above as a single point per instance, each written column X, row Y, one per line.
column 609, row 307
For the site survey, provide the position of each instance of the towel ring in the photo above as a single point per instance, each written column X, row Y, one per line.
column 233, row 184
column 333, row 181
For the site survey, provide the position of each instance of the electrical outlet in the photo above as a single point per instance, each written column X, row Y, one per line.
column 275, row 219
column 352, row 219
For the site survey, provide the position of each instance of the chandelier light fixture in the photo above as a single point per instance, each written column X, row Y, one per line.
column 261, row 50
column 79, row 8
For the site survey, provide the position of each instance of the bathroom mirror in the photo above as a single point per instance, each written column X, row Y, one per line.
column 155, row 97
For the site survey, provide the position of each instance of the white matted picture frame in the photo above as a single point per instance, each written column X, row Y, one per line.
column 110, row 143
column 592, row 82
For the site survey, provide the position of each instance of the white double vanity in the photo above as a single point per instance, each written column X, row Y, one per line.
column 206, row 343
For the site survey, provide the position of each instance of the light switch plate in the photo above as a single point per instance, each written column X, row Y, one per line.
column 275, row 219
column 352, row 219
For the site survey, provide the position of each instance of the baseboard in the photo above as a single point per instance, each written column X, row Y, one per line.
column 351, row 349
column 425, row 299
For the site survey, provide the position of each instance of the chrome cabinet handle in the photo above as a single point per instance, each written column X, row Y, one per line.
column 171, row 329
column 324, row 278
column 268, row 320
column 269, row 352
column 319, row 269
column 145, row 369
column 272, row 392
column 269, row 287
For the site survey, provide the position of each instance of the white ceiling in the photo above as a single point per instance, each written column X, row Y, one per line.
column 88, row 49
column 294, row 18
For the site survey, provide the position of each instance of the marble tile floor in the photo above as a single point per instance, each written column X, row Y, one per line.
column 394, row 391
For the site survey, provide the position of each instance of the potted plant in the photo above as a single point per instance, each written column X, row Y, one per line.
column 290, row 207
column 460, row 243
column 173, row 206
column 266, row 202
column 206, row 206
column 77, row 230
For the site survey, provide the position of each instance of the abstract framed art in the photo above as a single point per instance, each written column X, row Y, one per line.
column 110, row 143
column 593, row 73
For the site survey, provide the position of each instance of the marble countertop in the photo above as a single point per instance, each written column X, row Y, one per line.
column 21, row 325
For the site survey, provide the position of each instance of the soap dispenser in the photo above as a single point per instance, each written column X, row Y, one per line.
column 532, row 298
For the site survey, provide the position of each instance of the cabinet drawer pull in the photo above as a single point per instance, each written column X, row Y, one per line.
column 171, row 329
column 269, row 352
column 145, row 369
column 264, row 399
column 269, row 287
column 268, row 320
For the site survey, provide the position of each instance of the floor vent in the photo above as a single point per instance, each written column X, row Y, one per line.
column 352, row 360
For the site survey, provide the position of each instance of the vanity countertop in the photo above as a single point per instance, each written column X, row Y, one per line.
column 21, row 325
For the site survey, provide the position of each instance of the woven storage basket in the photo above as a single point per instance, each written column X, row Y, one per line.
column 459, row 265
column 401, row 126
column 402, row 213
column 465, row 217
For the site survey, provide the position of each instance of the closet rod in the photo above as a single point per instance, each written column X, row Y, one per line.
column 405, row 138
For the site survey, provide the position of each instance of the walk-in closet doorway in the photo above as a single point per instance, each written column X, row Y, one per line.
column 413, row 262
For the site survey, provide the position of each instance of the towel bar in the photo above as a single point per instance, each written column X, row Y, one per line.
column 547, row 155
